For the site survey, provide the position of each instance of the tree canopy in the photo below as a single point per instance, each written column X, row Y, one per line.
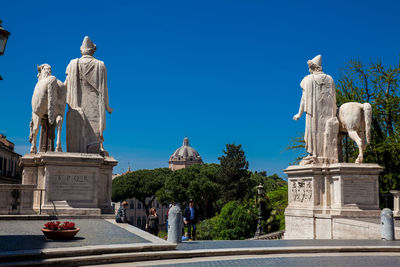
column 378, row 85
column 140, row 184
column 234, row 175
column 197, row 182
column 225, row 193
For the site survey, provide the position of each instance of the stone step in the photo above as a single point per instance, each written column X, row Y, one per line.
column 42, row 254
column 90, row 259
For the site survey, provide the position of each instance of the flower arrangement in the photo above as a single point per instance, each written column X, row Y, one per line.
column 57, row 225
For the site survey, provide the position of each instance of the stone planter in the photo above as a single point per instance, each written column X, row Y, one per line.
column 60, row 234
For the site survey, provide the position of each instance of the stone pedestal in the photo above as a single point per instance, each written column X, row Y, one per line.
column 322, row 197
column 396, row 203
column 16, row 199
column 73, row 183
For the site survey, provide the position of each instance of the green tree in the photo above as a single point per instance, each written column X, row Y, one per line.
column 140, row 184
column 197, row 182
column 270, row 183
column 234, row 222
column 273, row 201
column 277, row 201
column 298, row 144
column 378, row 85
column 234, row 176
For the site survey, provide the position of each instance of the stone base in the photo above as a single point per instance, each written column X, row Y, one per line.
column 63, row 208
column 334, row 228
column 323, row 197
column 16, row 199
column 72, row 183
column 396, row 203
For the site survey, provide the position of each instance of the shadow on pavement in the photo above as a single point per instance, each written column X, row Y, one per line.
column 28, row 242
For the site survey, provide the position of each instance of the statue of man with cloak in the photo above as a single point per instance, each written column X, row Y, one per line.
column 319, row 103
column 87, row 98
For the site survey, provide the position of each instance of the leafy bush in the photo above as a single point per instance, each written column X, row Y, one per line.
column 278, row 201
column 234, row 222
column 163, row 235
column 205, row 229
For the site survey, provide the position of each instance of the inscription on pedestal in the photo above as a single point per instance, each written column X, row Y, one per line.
column 359, row 192
column 77, row 187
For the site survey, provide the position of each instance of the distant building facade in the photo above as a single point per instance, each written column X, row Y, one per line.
column 10, row 172
column 184, row 156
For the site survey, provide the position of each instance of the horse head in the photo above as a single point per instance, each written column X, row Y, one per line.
column 44, row 71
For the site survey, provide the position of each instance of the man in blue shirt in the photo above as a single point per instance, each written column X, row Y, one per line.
column 190, row 218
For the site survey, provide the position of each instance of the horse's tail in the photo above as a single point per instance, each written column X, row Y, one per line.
column 367, row 118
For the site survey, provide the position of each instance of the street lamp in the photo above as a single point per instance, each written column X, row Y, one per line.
column 3, row 41
column 260, row 191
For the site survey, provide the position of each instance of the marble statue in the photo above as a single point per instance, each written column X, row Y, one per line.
column 319, row 103
column 48, row 106
column 355, row 119
column 87, row 98
column 325, row 125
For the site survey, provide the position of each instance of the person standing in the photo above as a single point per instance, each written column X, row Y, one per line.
column 87, row 99
column 190, row 218
column 152, row 222
column 121, row 213
column 318, row 101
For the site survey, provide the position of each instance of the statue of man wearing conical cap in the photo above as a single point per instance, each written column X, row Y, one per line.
column 319, row 103
column 87, row 98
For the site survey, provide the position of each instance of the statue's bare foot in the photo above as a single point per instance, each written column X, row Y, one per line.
column 308, row 160
column 103, row 152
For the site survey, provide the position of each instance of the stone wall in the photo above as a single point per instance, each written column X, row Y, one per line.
column 16, row 199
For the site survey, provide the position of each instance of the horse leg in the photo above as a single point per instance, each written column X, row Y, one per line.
column 59, row 121
column 364, row 140
column 354, row 135
column 340, row 147
column 34, row 125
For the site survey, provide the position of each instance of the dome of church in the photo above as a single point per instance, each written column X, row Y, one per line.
column 184, row 156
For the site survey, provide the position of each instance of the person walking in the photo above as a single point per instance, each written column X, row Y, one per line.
column 190, row 218
column 121, row 213
column 152, row 222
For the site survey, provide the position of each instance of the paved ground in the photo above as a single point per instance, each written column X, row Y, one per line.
column 323, row 259
column 315, row 261
column 193, row 245
column 26, row 235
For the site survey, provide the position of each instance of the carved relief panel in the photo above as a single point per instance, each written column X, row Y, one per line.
column 301, row 191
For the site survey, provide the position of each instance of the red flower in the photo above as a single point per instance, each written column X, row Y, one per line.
column 59, row 226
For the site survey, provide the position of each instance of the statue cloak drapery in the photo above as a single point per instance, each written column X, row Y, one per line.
column 319, row 98
column 94, row 75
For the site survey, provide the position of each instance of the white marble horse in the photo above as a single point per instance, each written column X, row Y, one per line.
column 355, row 120
column 48, row 101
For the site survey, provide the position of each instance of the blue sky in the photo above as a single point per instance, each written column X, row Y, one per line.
column 215, row 71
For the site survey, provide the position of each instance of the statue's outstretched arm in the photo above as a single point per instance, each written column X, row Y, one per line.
column 301, row 109
column 106, row 101
column 108, row 108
